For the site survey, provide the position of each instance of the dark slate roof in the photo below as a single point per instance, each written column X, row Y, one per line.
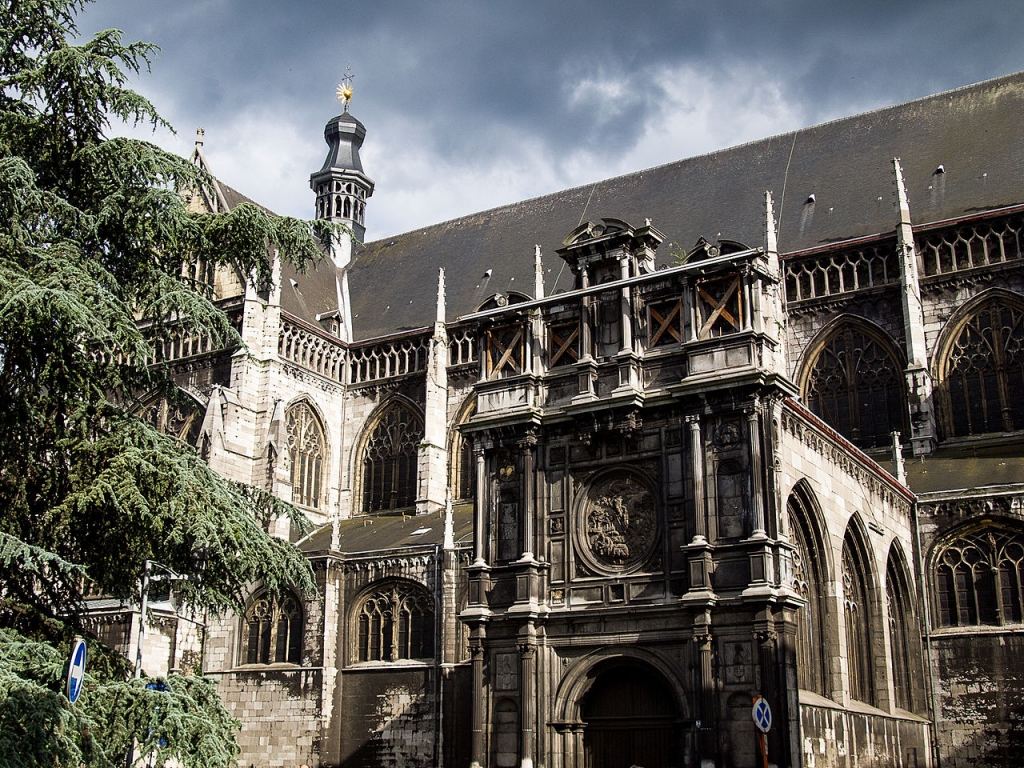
column 384, row 532
column 973, row 132
column 303, row 295
column 308, row 294
column 966, row 469
column 234, row 198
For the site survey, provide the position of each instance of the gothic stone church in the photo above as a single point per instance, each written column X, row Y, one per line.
column 592, row 472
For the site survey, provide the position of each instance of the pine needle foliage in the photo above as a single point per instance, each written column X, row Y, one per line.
column 94, row 234
column 176, row 717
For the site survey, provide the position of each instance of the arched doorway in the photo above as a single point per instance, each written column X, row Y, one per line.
column 631, row 718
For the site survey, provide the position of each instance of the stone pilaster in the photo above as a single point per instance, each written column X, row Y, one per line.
column 476, row 748
column 528, row 688
column 698, row 551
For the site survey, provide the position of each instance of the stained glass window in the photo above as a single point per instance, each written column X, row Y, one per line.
column 272, row 632
column 856, row 384
column 979, row 578
column 983, row 379
column 897, row 597
column 389, row 460
column 396, row 622
column 308, row 449
column 807, row 583
column 857, row 620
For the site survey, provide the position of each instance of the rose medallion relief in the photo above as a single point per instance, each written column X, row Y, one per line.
column 617, row 525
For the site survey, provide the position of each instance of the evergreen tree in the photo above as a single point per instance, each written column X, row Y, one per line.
column 94, row 234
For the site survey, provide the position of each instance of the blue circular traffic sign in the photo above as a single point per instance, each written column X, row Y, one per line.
column 76, row 670
column 762, row 714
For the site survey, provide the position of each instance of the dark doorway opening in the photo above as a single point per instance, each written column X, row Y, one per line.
column 631, row 719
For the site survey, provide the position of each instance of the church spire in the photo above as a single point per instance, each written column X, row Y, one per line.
column 341, row 186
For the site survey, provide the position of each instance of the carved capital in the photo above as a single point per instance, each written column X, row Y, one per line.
column 528, row 441
column 702, row 639
column 766, row 637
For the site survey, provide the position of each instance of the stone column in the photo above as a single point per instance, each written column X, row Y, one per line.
column 700, row 524
column 756, row 469
column 528, row 704
column 770, row 689
column 747, row 313
column 586, row 367
column 698, row 551
column 527, row 446
column 476, row 747
column 479, row 522
column 705, row 684
column 627, row 309
column 586, row 339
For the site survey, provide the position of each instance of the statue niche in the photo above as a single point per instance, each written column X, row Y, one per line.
column 616, row 523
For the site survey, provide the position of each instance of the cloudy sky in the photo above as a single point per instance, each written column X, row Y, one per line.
column 471, row 105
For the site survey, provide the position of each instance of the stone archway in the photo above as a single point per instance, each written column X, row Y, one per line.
column 630, row 718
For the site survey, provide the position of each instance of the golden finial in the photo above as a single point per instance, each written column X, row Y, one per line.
column 344, row 91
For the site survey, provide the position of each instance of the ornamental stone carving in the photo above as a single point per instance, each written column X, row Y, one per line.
column 616, row 522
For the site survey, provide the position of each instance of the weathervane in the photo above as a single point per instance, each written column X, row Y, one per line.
column 345, row 88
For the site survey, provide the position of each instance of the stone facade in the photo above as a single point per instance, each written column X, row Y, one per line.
column 588, row 522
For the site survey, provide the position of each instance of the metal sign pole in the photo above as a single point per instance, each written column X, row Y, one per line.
column 142, row 620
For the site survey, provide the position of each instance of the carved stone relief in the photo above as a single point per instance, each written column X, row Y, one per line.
column 617, row 523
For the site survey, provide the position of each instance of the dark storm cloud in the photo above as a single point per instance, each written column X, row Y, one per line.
column 548, row 93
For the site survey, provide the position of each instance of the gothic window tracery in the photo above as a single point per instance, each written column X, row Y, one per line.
column 982, row 380
column 897, row 599
column 389, row 459
column 182, row 418
column 272, row 632
column 857, row 620
column 855, row 383
column 396, row 622
column 979, row 578
column 461, row 465
column 807, row 583
column 307, row 447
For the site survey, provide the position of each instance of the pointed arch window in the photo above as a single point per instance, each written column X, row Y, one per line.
column 807, row 583
column 979, row 579
column 461, row 465
column 898, row 605
column 396, row 622
column 982, row 378
column 858, row 625
column 389, row 459
column 180, row 416
column 272, row 631
column 855, row 383
column 308, row 448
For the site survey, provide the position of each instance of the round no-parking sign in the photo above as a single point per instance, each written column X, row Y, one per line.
column 76, row 670
column 762, row 715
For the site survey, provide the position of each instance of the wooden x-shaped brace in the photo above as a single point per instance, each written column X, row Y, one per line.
column 665, row 324
column 565, row 347
column 718, row 307
column 505, row 352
